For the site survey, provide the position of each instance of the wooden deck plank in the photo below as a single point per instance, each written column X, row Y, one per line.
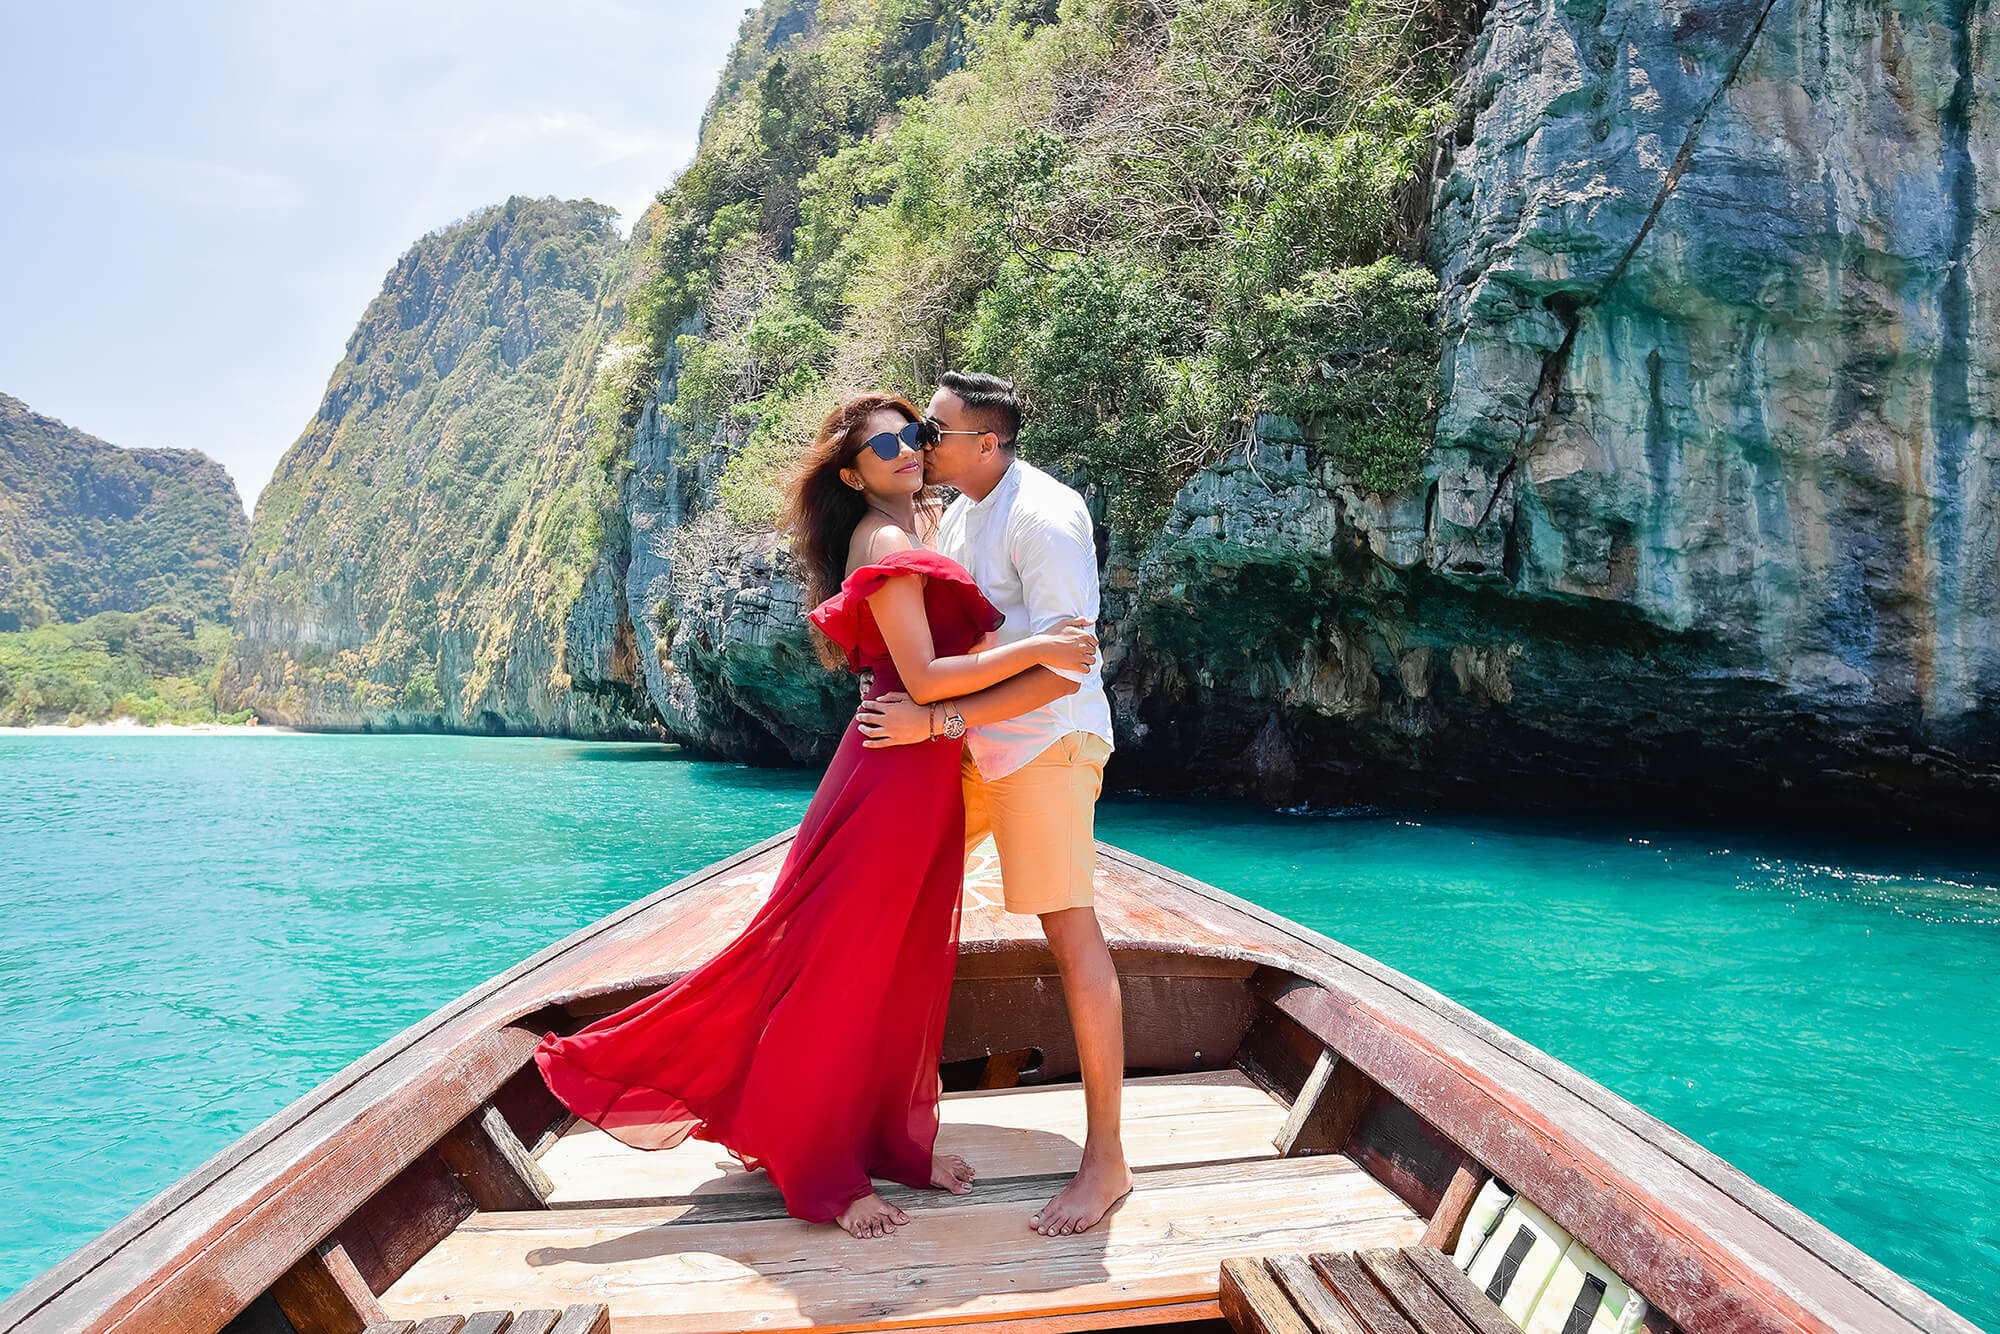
column 960, row 1260
column 1212, row 1116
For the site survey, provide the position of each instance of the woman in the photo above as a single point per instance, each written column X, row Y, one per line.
column 809, row 1046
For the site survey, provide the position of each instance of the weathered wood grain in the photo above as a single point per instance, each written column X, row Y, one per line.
column 492, row 1164
column 1404, row 1152
column 1358, row 1293
column 1254, row 1302
column 1211, row 1116
column 1308, row 1291
column 324, row 1294
column 398, row 1223
column 1448, row 1220
column 1328, row 1108
column 584, row 1318
column 955, row 1261
column 1410, row 1294
column 1458, row 1292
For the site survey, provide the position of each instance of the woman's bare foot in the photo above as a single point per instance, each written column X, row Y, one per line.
column 951, row 1172
column 1087, row 1197
column 871, row 1216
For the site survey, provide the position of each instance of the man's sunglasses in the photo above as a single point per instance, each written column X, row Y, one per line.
column 920, row 435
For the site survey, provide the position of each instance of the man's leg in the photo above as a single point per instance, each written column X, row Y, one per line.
column 1096, row 1014
column 1043, row 818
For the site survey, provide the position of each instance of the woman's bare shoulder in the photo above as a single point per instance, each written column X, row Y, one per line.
column 874, row 540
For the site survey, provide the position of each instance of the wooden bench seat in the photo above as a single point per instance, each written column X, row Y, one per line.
column 1408, row 1290
column 582, row 1318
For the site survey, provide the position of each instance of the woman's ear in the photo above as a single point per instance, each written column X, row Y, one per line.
column 849, row 477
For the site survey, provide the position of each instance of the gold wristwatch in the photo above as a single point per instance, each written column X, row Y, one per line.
column 954, row 723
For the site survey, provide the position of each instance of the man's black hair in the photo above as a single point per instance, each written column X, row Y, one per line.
column 993, row 398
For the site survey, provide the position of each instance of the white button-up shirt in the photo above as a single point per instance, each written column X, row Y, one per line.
column 1029, row 546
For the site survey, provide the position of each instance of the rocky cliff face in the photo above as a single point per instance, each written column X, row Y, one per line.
column 718, row 612
column 1709, row 514
column 424, row 550
column 1710, row 510
column 87, row 527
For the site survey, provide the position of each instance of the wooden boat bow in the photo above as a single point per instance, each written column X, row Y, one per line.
column 360, row 1180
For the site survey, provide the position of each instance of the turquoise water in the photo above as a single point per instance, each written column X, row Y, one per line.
column 202, row 928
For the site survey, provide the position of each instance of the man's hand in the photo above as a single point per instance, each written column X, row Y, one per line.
column 893, row 720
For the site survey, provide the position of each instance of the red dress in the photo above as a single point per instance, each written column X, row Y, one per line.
column 809, row 1046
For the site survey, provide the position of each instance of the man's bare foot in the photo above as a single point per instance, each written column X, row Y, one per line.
column 1089, row 1194
column 871, row 1216
column 951, row 1172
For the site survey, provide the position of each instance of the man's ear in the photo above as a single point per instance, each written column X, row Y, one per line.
column 988, row 442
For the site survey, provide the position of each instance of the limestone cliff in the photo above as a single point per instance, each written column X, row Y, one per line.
column 1708, row 517
column 417, row 557
column 87, row 527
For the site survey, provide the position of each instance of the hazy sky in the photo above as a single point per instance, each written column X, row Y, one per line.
column 198, row 200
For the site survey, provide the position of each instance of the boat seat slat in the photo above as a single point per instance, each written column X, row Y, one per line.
column 1411, row 1294
column 1310, row 1294
column 1376, row 1290
column 1373, row 1311
column 1458, row 1291
column 578, row 1318
column 1254, row 1303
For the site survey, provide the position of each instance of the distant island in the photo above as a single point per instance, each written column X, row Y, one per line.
column 115, row 573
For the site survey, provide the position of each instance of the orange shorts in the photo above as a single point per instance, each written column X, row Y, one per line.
column 1043, row 820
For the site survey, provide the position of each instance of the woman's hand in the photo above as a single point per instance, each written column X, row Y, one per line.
column 894, row 719
column 1069, row 647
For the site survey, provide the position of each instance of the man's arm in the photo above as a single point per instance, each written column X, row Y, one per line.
column 1057, row 561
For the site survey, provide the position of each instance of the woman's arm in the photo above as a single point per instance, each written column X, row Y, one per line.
column 895, row 719
column 899, row 614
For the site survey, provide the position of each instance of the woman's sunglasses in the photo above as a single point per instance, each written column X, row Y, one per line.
column 920, row 435
column 889, row 444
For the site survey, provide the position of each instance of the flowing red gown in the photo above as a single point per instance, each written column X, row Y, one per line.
column 809, row 1046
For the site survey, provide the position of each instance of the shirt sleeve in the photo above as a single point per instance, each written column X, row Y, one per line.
column 1056, row 558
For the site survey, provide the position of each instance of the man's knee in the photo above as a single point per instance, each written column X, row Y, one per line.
column 1074, row 935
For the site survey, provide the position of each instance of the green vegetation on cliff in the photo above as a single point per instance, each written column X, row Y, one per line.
column 1160, row 220
column 87, row 527
column 378, row 546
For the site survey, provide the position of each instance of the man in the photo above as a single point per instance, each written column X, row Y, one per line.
column 1035, row 745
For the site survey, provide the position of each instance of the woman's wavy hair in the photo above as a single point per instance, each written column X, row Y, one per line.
column 822, row 510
